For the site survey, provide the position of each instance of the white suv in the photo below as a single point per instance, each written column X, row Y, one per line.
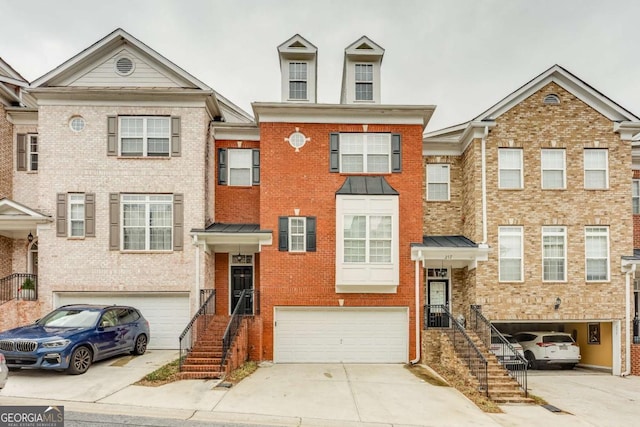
column 549, row 348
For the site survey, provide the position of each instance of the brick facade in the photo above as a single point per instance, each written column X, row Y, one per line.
column 6, row 185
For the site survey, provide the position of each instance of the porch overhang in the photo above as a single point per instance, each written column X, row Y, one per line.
column 17, row 221
column 449, row 251
column 232, row 238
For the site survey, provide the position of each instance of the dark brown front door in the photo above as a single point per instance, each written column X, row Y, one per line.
column 242, row 280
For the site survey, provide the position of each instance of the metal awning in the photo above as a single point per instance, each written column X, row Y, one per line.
column 233, row 237
column 452, row 251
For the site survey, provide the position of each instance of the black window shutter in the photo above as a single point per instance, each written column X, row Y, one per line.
column 283, row 233
column 334, row 152
column 112, row 135
column 90, row 215
column 396, row 153
column 61, row 215
column 22, row 152
column 176, row 143
column 222, row 166
column 256, row 166
column 311, row 234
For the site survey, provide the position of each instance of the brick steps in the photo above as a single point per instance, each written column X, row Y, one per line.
column 204, row 359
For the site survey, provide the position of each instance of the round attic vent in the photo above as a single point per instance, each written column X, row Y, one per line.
column 552, row 99
column 124, row 66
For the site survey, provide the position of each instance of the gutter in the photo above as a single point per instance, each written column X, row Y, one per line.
column 484, row 185
column 417, row 291
column 627, row 317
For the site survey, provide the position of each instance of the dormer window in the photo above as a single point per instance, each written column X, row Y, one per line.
column 298, row 80
column 364, row 82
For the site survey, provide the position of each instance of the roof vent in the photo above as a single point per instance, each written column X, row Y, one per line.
column 552, row 99
column 124, row 66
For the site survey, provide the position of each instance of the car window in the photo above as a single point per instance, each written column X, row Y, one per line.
column 525, row 337
column 127, row 315
column 557, row 338
column 511, row 339
column 109, row 319
column 70, row 318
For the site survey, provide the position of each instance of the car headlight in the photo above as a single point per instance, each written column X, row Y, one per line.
column 56, row 343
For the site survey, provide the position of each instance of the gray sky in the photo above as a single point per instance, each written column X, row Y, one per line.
column 461, row 55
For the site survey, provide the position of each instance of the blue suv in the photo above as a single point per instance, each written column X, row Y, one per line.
column 72, row 337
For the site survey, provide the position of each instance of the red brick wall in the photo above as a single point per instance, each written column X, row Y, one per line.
column 236, row 204
column 301, row 180
column 635, row 359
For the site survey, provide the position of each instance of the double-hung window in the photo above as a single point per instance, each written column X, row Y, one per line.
column 437, row 182
column 365, row 152
column 510, row 168
column 145, row 136
column 554, row 254
column 636, row 196
column 597, row 254
column 76, row 215
column 147, row 222
column 364, row 82
column 552, row 162
column 596, row 171
column 238, row 167
column 297, row 234
column 367, row 239
column 510, row 243
column 298, row 80
column 33, row 152
column 27, row 152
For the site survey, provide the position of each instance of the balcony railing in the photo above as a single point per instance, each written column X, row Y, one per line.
column 19, row 286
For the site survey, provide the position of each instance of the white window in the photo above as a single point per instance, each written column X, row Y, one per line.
column 510, row 165
column 364, row 82
column 597, row 254
column 367, row 239
column 33, row 152
column 636, row 196
column 365, row 152
column 240, row 167
column 76, row 215
column 553, row 169
column 297, row 234
column 297, row 80
column 145, row 136
column 511, row 249
column 554, row 254
column 147, row 222
column 596, row 175
column 437, row 182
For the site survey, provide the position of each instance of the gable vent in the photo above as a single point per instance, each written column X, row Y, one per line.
column 364, row 46
column 297, row 44
column 124, row 66
column 551, row 99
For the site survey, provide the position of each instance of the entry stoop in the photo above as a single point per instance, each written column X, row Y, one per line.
column 204, row 359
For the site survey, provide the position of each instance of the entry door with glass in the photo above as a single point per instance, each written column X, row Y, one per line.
column 437, row 299
column 242, row 280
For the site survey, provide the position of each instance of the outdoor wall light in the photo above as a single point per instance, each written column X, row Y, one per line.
column 557, row 303
column 30, row 237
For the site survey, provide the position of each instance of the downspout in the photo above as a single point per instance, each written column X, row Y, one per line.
column 197, row 281
column 484, row 185
column 627, row 317
column 417, row 290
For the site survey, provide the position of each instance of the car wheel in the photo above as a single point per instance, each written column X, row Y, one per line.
column 141, row 345
column 533, row 364
column 80, row 361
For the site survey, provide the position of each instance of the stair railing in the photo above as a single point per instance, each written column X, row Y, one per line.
column 189, row 336
column 439, row 316
column 515, row 364
column 234, row 324
column 19, row 286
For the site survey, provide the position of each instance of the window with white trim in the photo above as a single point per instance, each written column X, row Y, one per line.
column 554, row 254
column 32, row 147
column 297, row 234
column 636, row 196
column 298, row 80
column 145, row 136
column 553, row 165
column 367, row 239
column 240, row 162
column 76, row 215
column 438, row 182
column 596, row 170
column 597, row 254
column 364, row 82
column 365, row 152
column 510, row 168
column 510, row 262
column 147, row 222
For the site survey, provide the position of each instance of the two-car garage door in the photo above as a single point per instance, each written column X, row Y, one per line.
column 167, row 313
column 341, row 335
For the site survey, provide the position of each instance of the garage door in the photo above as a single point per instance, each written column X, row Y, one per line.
column 335, row 335
column 167, row 313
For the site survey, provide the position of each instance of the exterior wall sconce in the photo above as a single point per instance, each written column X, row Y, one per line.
column 30, row 237
column 556, row 305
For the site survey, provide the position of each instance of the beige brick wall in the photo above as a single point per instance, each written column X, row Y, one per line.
column 444, row 217
column 77, row 162
column 6, row 185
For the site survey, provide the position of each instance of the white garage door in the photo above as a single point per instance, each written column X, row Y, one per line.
column 167, row 313
column 335, row 335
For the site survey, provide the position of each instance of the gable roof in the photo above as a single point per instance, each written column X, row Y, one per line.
column 364, row 46
column 297, row 45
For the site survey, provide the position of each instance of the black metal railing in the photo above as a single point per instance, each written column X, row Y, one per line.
column 197, row 323
column 239, row 311
column 636, row 330
column 507, row 355
column 439, row 316
column 19, row 286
